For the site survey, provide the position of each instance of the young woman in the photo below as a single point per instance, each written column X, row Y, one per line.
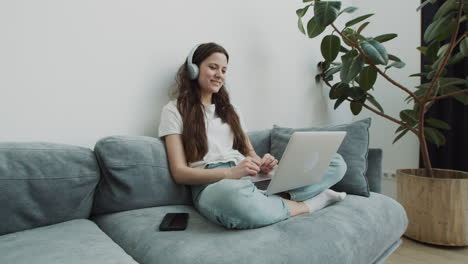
column 209, row 150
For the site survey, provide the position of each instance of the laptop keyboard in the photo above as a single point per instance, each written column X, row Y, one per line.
column 262, row 185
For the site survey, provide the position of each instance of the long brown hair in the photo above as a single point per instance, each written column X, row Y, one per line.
column 192, row 111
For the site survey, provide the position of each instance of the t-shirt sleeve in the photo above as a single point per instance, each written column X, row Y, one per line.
column 171, row 122
column 241, row 118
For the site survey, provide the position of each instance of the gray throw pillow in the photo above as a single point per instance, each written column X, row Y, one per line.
column 354, row 150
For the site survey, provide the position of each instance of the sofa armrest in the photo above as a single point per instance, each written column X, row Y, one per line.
column 374, row 170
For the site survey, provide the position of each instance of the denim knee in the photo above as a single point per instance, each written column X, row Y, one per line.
column 238, row 204
column 339, row 165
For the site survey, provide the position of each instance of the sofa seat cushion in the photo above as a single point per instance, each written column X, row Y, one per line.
column 356, row 230
column 76, row 241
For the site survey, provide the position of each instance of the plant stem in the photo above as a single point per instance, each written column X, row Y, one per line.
column 461, row 38
column 448, row 95
column 415, row 131
column 446, row 56
column 426, row 99
column 379, row 112
column 375, row 67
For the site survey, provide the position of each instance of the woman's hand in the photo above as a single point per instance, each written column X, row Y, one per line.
column 268, row 163
column 248, row 166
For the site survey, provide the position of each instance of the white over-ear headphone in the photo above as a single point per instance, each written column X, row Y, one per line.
column 191, row 67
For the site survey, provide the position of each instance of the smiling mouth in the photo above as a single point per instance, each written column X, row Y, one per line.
column 216, row 82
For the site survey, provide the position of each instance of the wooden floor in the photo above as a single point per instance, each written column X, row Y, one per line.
column 413, row 252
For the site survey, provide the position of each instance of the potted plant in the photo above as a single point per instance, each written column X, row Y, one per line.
column 436, row 200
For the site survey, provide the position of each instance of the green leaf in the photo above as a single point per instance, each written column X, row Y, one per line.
column 434, row 136
column 339, row 90
column 409, row 116
column 464, row 46
column 421, row 74
column 362, row 27
column 301, row 12
column 356, row 93
column 436, row 65
column 456, row 58
column 373, row 101
column 357, row 20
column 451, row 81
column 440, row 29
column 443, row 49
column 375, row 51
column 445, row 8
column 306, row 1
column 400, row 135
column 330, row 47
column 385, row 37
column 355, row 108
column 339, row 102
column 351, row 35
column 350, row 9
column 463, row 18
column 343, row 49
column 313, row 29
column 400, row 128
column 393, row 57
column 333, row 70
column 437, row 123
column 367, row 78
column 352, row 65
column 422, row 49
column 431, row 52
column 423, row 4
column 396, row 64
column 326, row 12
column 300, row 25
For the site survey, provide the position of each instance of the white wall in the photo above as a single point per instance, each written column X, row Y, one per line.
column 75, row 71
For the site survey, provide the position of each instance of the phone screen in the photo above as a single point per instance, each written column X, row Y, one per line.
column 174, row 221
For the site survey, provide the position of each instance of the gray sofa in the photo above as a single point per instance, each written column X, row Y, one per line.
column 69, row 204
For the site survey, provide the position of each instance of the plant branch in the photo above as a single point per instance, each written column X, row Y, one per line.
column 446, row 56
column 448, row 95
column 327, row 83
column 425, row 100
column 461, row 38
column 386, row 116
column 379, row 112
column 383, row 74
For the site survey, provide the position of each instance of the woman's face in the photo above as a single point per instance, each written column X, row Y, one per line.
column 212, row 73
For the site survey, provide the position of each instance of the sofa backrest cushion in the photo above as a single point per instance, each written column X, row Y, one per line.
column 44, row 183
column 135, row 174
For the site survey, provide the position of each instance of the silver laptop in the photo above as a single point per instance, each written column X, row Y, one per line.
column 304, row 162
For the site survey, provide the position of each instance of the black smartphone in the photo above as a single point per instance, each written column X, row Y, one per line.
column 174, row 222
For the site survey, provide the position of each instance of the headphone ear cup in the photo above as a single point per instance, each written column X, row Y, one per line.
column 193, row 71
column 192, row 68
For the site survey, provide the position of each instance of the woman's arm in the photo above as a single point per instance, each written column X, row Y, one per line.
column 183, row 174
column 267, row 163
column 251, row 152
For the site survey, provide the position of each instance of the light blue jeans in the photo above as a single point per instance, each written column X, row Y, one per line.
column 238, row 204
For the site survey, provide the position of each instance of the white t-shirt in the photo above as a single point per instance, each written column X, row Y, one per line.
column 219, row 135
